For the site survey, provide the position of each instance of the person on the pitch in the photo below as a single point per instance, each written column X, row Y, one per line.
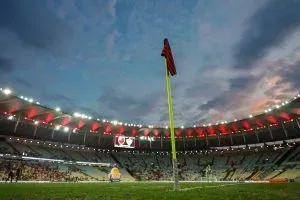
column 18, row 174
column 10, row 175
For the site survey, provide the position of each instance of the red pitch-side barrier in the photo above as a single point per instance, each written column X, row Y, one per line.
column 278, row 181
column 268, row 181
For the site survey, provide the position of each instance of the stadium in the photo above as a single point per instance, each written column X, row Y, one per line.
column 169, row 99
column 52, row 146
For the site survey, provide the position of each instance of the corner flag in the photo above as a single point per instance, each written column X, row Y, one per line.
column 171, row 69
column 167, row 53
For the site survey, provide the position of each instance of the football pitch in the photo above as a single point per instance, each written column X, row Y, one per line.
column 145, row 191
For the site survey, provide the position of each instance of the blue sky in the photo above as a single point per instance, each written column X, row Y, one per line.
column 102, row 58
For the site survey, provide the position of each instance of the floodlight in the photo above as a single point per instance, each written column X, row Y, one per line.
column 6, row 91
column 66, row 129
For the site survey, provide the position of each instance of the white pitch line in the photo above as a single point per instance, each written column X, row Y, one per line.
column 208, row 186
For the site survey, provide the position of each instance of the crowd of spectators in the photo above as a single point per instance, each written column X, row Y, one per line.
column 32, row 170
column 36, row 171
column 233, row 165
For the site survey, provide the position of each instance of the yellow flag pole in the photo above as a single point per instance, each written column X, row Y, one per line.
column 171, row 124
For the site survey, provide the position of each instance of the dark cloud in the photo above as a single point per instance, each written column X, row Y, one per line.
column 218, row 102
column 5, row 65
column 125, row 105
column 267, row 28
column 115, row 101
column 197, row 87
column 164, row 117
column 89, row 111
column 197, row 119
column 61, row 98
column 65, row 103
column 277, row 86
column 34, row 24
column 186, row 106
column 241, row 83
column 23, row 82
column 291, row 73
column 239, row 89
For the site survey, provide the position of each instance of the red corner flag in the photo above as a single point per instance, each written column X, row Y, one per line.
column 167, row 53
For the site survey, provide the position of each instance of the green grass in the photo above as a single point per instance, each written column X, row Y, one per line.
column 145, row 191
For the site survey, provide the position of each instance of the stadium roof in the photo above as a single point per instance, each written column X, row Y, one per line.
column 280, row 123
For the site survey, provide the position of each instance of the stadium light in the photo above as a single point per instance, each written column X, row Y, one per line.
column 10, row 117
column 76, row 114
column 66, row 129
column 6, row 91
column 57, row 109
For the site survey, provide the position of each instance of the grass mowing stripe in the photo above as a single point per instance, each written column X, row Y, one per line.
column 208, row 186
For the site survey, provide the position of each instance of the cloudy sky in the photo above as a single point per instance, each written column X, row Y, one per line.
column 102, row 57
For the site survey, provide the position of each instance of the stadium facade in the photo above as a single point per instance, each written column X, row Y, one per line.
column 24, row 118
